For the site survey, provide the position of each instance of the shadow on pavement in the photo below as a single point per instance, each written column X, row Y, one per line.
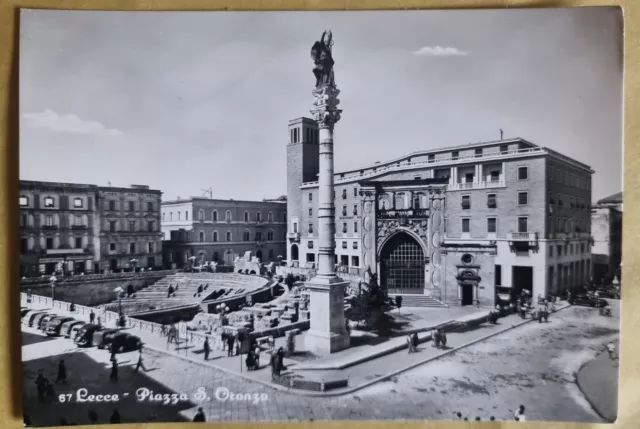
column 28, row 339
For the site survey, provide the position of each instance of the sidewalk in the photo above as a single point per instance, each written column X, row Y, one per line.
column 365, row 372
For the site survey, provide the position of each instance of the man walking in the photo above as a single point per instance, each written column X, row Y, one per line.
column 92, row 317
column 207, row 349
column 611, row 349
column 114, row 370
column 62, row 373
column 230, row 340
column 140, row 362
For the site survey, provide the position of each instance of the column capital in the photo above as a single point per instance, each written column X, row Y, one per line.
column 326, row 101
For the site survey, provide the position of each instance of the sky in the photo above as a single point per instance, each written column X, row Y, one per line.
column 186, row 101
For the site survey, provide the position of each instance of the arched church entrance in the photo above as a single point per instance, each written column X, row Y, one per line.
column 402, row 265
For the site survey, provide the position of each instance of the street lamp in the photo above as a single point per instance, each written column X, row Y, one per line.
column 222, row 309
column 134, row 263
column 119, row 291
column 52, row 280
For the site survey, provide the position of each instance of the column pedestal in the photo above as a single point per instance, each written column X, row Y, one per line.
column 327, row 333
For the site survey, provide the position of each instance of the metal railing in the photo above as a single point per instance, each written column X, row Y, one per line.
column 400, row 213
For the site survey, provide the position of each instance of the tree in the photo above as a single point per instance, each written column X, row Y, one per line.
column 398, row 302
column 370, row 304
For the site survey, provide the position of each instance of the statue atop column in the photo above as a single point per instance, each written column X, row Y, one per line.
column 323, row 60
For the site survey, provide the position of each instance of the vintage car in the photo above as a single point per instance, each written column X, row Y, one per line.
column 28, row 318
column 54, row 326
column 66, row 327
column 124, row 342
column 103, row 338
column 24, row 311
column 35, row 322
column 605, row 293
column 75, row 330
column 42, row 325
column 84, row 338
column 588, row 301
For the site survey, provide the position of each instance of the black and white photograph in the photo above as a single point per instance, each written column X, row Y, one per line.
column 308, row 216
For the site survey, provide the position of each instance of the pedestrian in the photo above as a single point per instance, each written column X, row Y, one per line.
column 62, row 373
column 545, row 314
column 114, row 370
column 115, row 417
column 520, row 416
column 611, row 348
column 207, row 349
column 41, row 384
column 140, row 362
column 459, row 415
column 414, row 341
column 280, row 360
column 443, row 339
column 199, row 417
column 223, row 340
column 409, row 344
column 92, row 317
column 249, row 361
column 93, row 417
column 256, row 355
column 230, row 341
column 436, row 338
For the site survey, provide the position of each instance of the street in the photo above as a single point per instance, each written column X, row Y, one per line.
column 533, row 365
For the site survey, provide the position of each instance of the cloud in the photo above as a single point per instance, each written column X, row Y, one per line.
column 72, row 124
column 439, row 51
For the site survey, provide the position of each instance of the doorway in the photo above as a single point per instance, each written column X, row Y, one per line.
column 467, row 293
column 259, row 255
column 522, row 279
column 113, row 264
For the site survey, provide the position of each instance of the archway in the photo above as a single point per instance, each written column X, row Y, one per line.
column 294, row 252
column 402, row 265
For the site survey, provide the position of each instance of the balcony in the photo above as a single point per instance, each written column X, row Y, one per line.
column 403, row 213
column 479, row 185
column 293, row 237
column 78, row 227
column 523, row 241
column 50, row 227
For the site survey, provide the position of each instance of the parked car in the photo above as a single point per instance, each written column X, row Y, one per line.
column 66, row 327
column 29, row 317
column 605, row 293
column 86, row 333
column 75, row 330
column 24, row 311
column 102, row 338
column 42, row 324
column 589, row 301
column 124, row 342
column 35, row 322
column 54, row 326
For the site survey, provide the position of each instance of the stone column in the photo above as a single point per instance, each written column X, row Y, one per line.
column 327, row 333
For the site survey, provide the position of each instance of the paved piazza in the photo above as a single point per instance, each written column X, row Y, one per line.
column 533, row 365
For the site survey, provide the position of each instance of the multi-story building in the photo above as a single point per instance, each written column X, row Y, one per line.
column 606, row 221
column 65, row 227
column 130, row 235
column 468, row 224
column 221, row 230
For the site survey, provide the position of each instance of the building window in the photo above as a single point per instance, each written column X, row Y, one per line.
column 310, row 212
column 201, row 237
column 77, row 220
column 24, row 201
column 431, row 157
column 270, row 235
column 355, row 245
column 258, row 236
column 344, row 210
column 78, row 242
column 214, row 216
column 269, row 217
column 186, row 215
column 495, row 176
column 132, row 225
column 112, row 226
column 23, row 220
column 150, row 208
column 355, row 227
column 344, row 194
column 344, row 244
column 201, row 215
column 492, row 202
column 178, row 215
column 417, row 177
column 466, row 225
column 48, row 220
column 523, row 173
column 77, row 203
column 559, row 250
column 151, row 247
column 151, row 226
column 259, row 216
column 523, row 224
column 478, row 152
column 310, row 244
column 551, row 251
column 214, row 237
column 228, row 236
column 48, row 202
column 310, row 228
column 455, row 155
column 344, row 227
column 492, row 225
column 112, row 205
column 246, row 216
column 246, row 235
column 132, row 248
column 523, row 198
column 355, row 192
column 49, row 243
column 295, row 227
column 310, row 196
column 504, row 148
column 466, row 202
column 112, row 247
column 163, row 216
column 468, row 178
column 355, row 210
column 227, row 216
column 131, row 205
column 552, row 172
column 355, row 261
